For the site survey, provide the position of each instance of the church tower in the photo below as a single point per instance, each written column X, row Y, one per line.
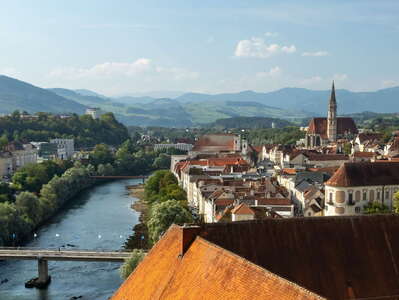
column 332, row 117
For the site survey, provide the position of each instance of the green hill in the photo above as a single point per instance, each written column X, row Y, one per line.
column 19, row 95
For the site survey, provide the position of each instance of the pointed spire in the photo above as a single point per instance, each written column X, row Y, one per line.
column 332, row 97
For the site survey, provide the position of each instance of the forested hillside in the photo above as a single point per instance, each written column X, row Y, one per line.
column 86, row 131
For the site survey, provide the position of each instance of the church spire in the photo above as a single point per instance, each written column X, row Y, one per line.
column 332, row 116
column 332, row 97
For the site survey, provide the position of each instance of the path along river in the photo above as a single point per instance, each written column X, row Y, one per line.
column 100, row 218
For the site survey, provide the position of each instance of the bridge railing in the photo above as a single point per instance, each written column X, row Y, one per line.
column 63, row 249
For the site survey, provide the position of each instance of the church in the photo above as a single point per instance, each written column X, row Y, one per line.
column 322, row 131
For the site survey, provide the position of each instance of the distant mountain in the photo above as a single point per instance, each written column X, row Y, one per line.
column 87, row 100
column 157, row 94
column 310, row 101
column 19, row 95
column 249, row 123
column 85, row 92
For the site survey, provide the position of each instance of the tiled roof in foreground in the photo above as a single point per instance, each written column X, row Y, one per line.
column 332, row 258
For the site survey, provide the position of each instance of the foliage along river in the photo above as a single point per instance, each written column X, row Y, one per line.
column 100, row 218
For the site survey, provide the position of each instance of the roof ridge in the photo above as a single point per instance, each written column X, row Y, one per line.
column 267, row 272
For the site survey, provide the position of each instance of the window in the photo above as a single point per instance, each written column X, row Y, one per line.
column 364, row 195
column 387, row 195
column 330, row 197
column 350, row 197
column 378, row 195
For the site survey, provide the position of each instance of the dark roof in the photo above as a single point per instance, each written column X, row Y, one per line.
column 184, row 265
column 369, row 136
column 344, row 125
column 330, row 256
column 365, row 174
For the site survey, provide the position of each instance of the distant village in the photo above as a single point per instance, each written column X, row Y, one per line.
column 227, row 179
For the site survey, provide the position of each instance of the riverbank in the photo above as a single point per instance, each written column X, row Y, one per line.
column 98, row 218
column 139, row 238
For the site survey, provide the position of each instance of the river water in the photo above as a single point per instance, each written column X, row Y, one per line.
column 100, row 218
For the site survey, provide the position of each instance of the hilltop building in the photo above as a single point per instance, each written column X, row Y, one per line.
column 93, row 112
column 322, row 131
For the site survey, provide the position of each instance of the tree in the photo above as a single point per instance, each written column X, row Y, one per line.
column 3, row 141
column 101, row 155
column 162, row 161
column 29, row 207
column 396, row 202
column 376, row 208
column 131, row 263
column 164, row 214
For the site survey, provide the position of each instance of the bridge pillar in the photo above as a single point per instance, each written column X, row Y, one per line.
column 42, row 265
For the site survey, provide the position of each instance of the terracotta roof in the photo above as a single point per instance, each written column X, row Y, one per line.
column 289, row 171
column 274, row 201
column 205, row 271
column 365, row 174
column 331, row 256
column 364, row 154
column 242, row 209
column 328, row 170
column 344, row 125
column 338, row 258
column 215, row 142
column 326, row 157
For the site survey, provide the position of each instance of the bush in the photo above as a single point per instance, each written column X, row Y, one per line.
column 131, row 263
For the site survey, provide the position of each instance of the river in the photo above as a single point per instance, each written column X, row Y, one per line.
column 100, row 218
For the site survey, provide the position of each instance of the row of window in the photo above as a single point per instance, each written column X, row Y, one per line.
column 364, row 195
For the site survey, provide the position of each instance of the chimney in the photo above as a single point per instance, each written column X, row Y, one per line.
column 189, row 233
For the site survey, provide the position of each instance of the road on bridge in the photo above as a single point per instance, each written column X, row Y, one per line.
column 64, row 255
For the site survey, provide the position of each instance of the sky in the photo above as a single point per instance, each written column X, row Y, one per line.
column 126, row 47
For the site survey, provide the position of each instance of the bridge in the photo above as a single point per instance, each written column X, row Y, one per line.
column 44, row 255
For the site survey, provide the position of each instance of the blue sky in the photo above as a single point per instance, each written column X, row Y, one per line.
column 123, row 47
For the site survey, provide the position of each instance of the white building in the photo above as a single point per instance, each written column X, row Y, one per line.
column 354, row 185
column 65, row 148
column 93, row 112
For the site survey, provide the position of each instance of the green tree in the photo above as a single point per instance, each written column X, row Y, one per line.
column 376, row 208
column 162, row 161
column 396, row 202
column 29, row 207
column 164, row 214
column 131, row 263
column 3, row 141
column 101, row 155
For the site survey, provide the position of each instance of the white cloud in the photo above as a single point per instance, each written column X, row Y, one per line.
column 142, row 74
column 390, row 83
column 310, row 81
column 113, row 26
column 273, row 72
column 316, row 53
column 141, row 66
column 271, row 34
column 256, row 47
column 340, row 77
column 9, row 71
column 288, row 49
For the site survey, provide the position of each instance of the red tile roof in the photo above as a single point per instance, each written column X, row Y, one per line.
column 339, row 258
column 215, row 142
column 274, row 201
column 205, row 271
column 242, row 209
column 364, row 154
column 365, row 174
column 369, row 136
